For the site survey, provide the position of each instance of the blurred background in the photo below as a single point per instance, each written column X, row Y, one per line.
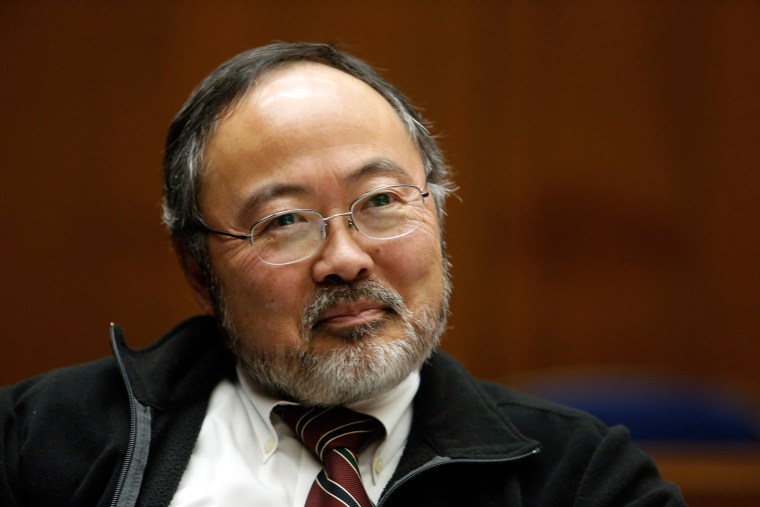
column 607, row 154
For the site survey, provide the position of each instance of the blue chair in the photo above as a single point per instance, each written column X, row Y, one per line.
column 653, row 407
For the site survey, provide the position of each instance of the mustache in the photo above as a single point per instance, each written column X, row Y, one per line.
column 368, row 290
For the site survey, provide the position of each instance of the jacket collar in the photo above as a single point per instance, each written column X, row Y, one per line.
column 184, row 365
column 455, row 419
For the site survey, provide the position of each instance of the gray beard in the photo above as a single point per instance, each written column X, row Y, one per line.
column 364, row 367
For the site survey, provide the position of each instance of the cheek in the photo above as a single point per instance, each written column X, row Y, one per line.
column 258, row 289
column 415, row 263
column 276, row 290
column 268, row 307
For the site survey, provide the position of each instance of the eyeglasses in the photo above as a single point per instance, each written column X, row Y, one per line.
column 293, row 235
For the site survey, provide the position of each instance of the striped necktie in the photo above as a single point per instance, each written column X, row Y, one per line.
column 334, row 436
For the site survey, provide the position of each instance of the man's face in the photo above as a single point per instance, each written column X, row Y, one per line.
column 360, row 314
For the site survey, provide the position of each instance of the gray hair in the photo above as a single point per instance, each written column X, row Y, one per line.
column 220, row 91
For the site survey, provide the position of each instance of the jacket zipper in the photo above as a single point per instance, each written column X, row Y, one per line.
column 440, row 461
column 139, row 426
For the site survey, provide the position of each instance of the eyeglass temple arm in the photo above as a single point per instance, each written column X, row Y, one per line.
column 246, row 237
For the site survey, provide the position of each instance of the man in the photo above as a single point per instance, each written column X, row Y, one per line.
column 305, row 199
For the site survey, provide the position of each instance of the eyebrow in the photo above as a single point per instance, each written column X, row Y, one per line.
column 268, row 192
column 380, row 165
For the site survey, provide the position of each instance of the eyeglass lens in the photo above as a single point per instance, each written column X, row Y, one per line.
column 293, row 235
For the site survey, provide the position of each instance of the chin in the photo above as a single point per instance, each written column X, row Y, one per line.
column 363, row 364
column 337, row 365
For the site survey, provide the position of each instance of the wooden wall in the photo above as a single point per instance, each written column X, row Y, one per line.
column 607, row 154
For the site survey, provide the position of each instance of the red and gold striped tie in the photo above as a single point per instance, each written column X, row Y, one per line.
column 334, row 436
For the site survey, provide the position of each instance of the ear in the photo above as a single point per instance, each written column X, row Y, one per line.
column 195, row 276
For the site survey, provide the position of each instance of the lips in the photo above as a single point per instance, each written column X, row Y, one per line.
column 352, row 314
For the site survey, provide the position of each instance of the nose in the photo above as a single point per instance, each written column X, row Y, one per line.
column 342, row 258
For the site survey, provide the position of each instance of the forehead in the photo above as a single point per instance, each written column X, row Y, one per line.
column 288, row 92
column 306, row 120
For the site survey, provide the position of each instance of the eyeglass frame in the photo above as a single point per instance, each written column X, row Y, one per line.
column 351, row 222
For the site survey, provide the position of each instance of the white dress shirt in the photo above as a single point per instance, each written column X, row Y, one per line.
column 245, row 455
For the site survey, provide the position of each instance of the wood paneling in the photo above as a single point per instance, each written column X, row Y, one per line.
column 606, row 153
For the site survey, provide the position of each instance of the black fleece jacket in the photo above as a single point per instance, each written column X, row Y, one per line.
column 120, row 432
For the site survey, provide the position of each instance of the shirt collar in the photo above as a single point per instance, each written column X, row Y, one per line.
column 392, row 409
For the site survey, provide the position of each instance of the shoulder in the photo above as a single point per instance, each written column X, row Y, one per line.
column 487, row 408
column 536, row 416
column 177, row 360
column 579, row 454
column 64, row 434
column 72, row 404
column 530, row 415
column 65, row 387
column 79, row 413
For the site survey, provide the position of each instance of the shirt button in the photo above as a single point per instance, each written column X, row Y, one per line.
column 378, row 465
column 269, row 446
